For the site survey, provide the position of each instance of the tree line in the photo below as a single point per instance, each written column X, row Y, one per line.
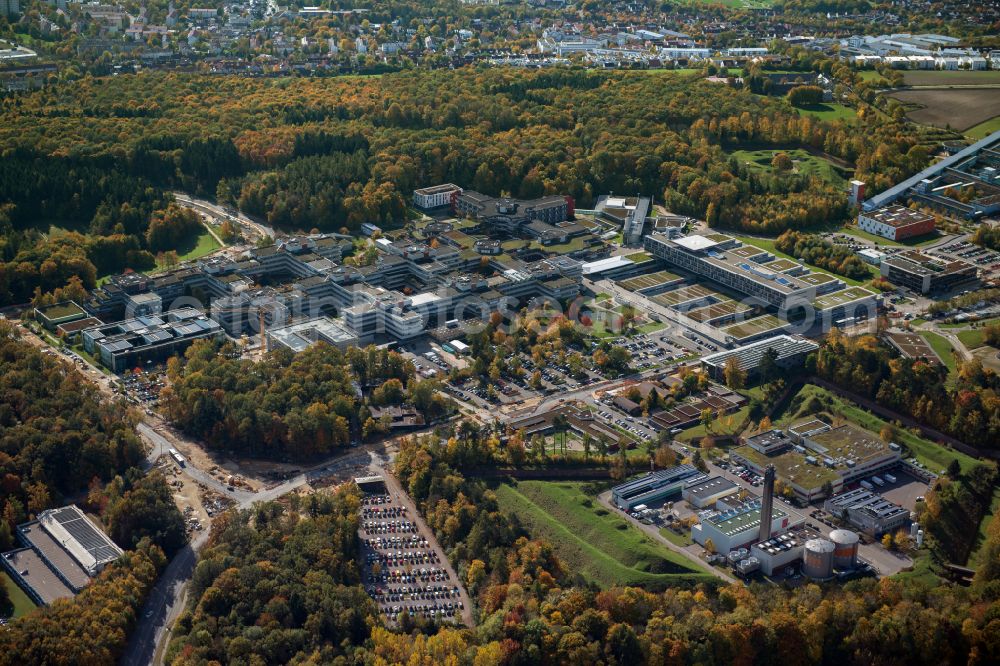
column 814, row 250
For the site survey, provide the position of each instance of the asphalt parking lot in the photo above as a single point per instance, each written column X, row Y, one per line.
column 404, row 568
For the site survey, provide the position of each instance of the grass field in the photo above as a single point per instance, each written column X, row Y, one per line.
column 870, row 75
column 592, row 541
column 22, row 603
column 918, row 77
column 934, row 456
column 972, row 338
column 829, row 111
column 804, row 164
column 984, row 129
column 954, row 108
column 941, row 347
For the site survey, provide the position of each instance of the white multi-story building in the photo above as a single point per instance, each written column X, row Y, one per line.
column 437, row 196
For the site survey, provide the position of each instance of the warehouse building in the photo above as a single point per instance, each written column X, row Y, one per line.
column 869, row 512
column 63, row 550
column 792, row 352
column 926, row 274
column 896, row 222
column 703, row 494
column 653, row 487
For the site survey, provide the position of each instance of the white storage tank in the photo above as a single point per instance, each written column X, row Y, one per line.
column 914, row 528
column 920, row 538
column 845, row 553
column 817, row 559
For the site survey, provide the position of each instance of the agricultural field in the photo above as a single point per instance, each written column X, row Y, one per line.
column 803, row 163
column 954, row 108
column 590, row 539
column 928, row 77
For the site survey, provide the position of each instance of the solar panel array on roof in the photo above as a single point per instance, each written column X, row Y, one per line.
column 95, row 542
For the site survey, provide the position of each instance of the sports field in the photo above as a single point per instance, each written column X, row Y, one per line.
column 592, row 541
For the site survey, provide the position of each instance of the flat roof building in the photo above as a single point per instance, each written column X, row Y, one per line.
column 791, row 352
column 148, row 339
column 304, row 334
column 652, row 487
column 64, row 551
column 869, row 512
column 896, row 222
column 702, row 494
column 736, row 526
column 437, row 196
column 926, row 274
column 777, row 552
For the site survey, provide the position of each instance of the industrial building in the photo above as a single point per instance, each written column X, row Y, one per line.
column 148, row 339
column 791, row 353
column 896, row 222
column 702, row 494
column 777, row 552
column 653, row 487
column 737, row 525
column 819, row 455
column 926, row 274
column 817, row 559
column 869, row 512
column 62, row 551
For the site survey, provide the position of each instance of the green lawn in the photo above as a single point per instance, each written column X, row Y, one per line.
column 768, row 244
column 934, row 456
column 195, row 247
column 829, row 111
column 805, row 163
column 676, row 539
column 982, row 130
column 22, row 603
column 941, row 347
column 972, row 338
column 590, row 540
column 870, row 75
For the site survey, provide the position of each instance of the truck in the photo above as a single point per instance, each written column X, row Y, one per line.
column 878, row 481
column 890, row 478
column 867, row 486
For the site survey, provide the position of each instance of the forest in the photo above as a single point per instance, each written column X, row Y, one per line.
column 812, row 249
column 57, row 435
column 334, row 153
column 968, row 409
column 530, row 609
column 290, row 405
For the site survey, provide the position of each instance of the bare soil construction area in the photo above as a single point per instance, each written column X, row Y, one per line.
column 959, row 108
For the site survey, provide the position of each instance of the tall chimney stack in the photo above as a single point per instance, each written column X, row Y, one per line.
column 767, row 505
